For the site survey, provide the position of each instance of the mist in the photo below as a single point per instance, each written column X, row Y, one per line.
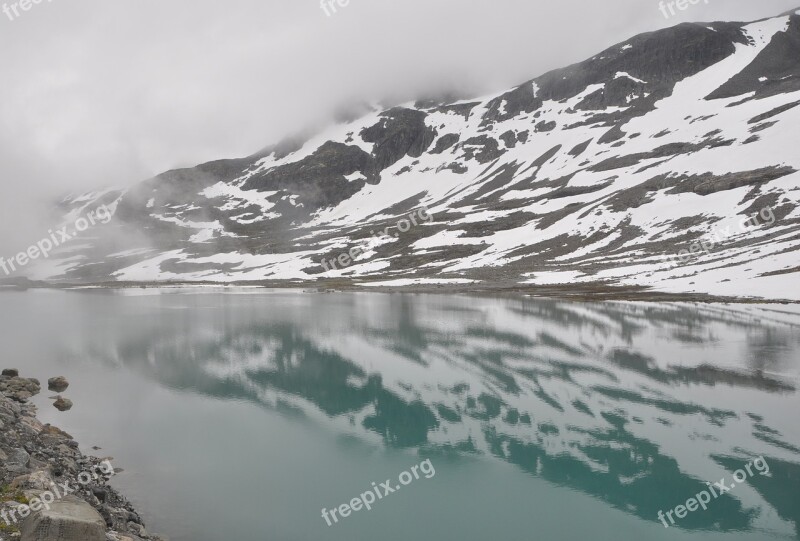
column 99, row 93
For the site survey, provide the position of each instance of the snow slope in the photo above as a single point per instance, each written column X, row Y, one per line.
column 602, row 172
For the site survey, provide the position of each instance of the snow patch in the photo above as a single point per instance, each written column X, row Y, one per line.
column 632, row 78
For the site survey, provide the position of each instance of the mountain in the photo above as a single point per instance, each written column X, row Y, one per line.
column 668, row 162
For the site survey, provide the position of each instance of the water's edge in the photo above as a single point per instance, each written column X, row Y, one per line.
column 42, row 471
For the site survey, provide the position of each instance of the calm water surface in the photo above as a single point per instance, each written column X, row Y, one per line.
column 240, row 415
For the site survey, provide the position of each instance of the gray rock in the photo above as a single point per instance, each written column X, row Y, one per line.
column 38, row 480
column 19, row 389
column 69, row 519
column 58, row 384
column 116, row 536
column 31, row 425
column 9, row 410
column 18, row 461
column 63, row 404
column 11, row 372
column 137, row 529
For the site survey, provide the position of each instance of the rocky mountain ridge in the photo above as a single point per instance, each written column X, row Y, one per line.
column 615, row 171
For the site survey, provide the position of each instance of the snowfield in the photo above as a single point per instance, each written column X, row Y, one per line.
column 599, row 173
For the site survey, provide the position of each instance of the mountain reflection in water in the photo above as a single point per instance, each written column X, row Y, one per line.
column 638, row 405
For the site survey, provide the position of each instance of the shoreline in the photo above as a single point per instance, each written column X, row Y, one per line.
column 48, row 488
column 591, row 292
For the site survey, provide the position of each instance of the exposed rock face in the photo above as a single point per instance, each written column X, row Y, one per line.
column 320, row 178
column 58, row 384
column 774, row 71
column 591, row 174
column 400, row 132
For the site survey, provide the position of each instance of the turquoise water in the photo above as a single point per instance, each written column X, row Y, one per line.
column 241, row 414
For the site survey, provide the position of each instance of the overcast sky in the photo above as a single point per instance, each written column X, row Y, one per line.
column 108, row 92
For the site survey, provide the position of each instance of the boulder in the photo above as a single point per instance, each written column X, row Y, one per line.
column 69, row 519
column 63, row 404
column 11, row 372
column 53, row 433
column 38, row 480
column 9, row 408
column 137, row 529
column 58, row 384
column 31, row 425
column 18, row 461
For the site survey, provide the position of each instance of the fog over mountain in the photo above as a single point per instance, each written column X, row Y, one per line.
column 98, row 93
column 662, row 164
column 544, row 254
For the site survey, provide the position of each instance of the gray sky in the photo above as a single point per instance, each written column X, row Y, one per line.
column 108, row 92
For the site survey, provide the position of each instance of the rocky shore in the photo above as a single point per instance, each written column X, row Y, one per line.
column 49, row 490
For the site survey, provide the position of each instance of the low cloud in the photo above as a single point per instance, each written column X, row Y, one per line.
column 103, row 93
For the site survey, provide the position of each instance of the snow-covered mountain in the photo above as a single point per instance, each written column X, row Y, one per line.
column 600, row 173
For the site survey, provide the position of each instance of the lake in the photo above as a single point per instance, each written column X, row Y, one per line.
column 242, row 414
